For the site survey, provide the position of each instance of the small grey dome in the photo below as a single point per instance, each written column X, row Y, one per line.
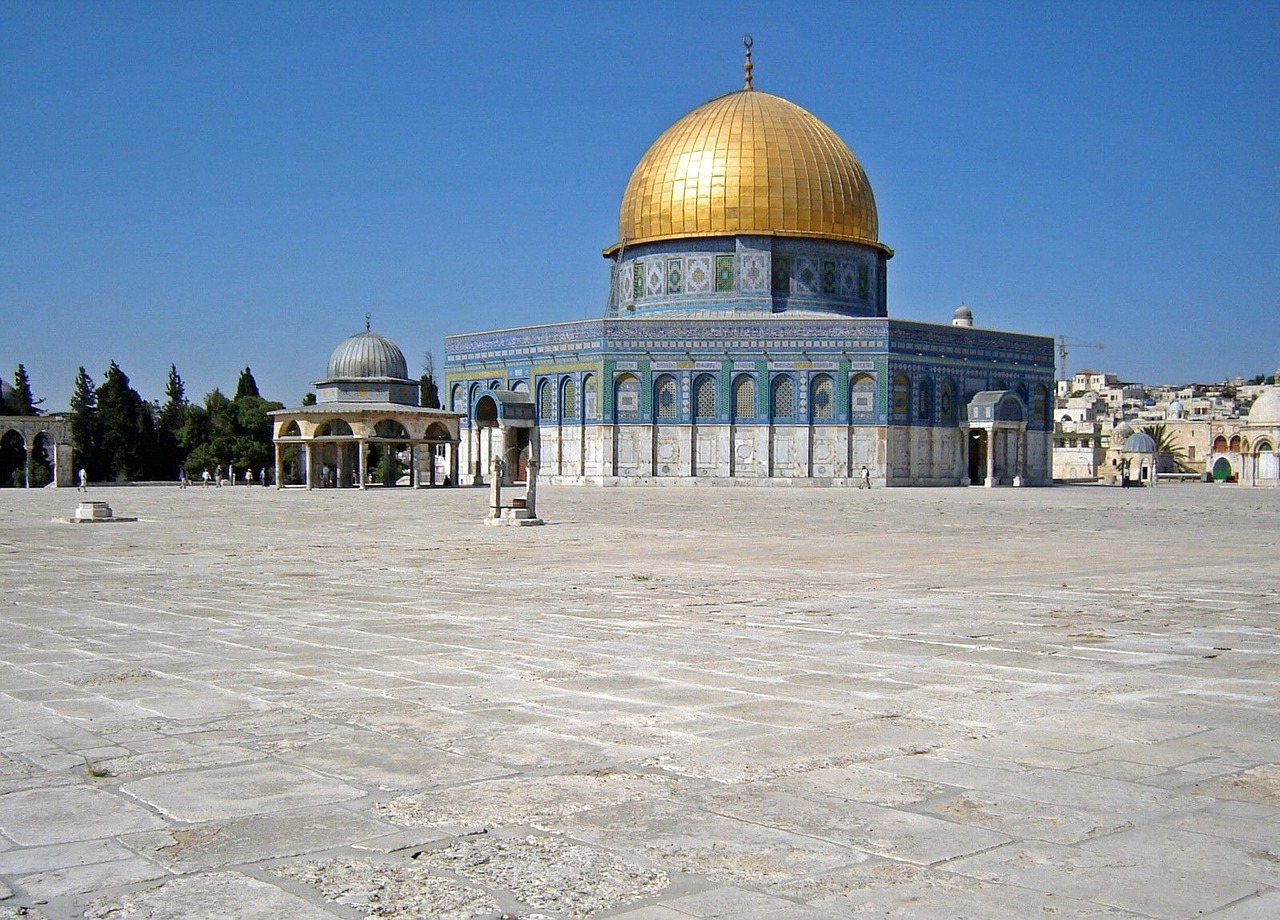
column 367, row 354
column 1175, row 407
column 1266, row 408
column 1140, row 443
column 962, row 317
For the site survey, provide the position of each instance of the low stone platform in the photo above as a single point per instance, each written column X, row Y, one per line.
column 665, row 704
column 94, row 512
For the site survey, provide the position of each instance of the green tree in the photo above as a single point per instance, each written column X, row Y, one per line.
column 428, row 390
column 170, row 421
column 86, row 430
column 308, row 399
column 246, row 385
column 128, row 429
column 23, row 402
column 1170, row 457
column 229, row 433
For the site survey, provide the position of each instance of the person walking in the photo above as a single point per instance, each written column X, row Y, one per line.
column 204, row 477
column 864, row 478
column 182, row 479
column 84, row 480
column 217, row 476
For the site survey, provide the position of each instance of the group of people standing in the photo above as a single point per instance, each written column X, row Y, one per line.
column 216, row 477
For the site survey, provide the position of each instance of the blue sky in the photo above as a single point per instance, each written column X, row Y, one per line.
column 227, row 184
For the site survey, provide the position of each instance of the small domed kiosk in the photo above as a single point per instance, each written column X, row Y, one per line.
column 366, row 425
column 1138, row 459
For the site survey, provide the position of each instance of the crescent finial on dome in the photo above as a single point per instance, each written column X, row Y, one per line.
column 368, row 318
column 747, row 65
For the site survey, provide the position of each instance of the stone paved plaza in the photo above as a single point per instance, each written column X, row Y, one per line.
column 666, row 704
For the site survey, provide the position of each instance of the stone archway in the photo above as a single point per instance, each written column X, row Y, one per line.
column 49, row 437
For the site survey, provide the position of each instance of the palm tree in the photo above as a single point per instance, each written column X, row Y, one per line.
column 1167, row 447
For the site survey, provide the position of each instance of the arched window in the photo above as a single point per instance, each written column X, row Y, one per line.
column 947, row 402
column 1235, row 443
column 900, row 398
column 291, row 431
column 1219, row 444
column 495, row 384
column 1263, row 447
column 822, row 398
column 472, row 393
column 924, row 402
column 546, row 403
column 744, row 398
column 456, row 399
column 520, row 386
column 590, row 399
column 704, row 398
column 862, row 396
column 334, row 428
column 390, row 428
column 626, row 401
column 664, row 397
column 568, row 399
column 1040, row 404
column 782, row 398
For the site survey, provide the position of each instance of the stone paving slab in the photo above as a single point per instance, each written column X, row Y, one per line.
column 665, row 704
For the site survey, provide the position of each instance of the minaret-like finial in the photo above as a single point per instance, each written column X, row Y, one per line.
column 746, row 67
column 367, row 318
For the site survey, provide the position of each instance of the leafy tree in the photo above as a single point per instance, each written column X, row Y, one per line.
column 246, row 385
column 229, row 433
column 308, row 399
column 86, row 430
column 23, row 402
column 128, row 429
column 428, row 391
column 1170, row 457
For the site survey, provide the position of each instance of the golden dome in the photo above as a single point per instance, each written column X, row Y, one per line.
column 748, row 162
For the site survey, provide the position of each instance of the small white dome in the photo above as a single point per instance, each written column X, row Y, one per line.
column 1266, row 408
column 1140, row 443
column 963, row 316
column 365, row 355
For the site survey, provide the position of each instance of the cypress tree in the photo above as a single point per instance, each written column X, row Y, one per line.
column 246, row 385
column 85, row 430
column 428, row 391
column 169, row 424
column 128, row 428
column 24, row 403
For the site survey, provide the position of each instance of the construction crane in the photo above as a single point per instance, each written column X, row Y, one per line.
column 1063, row 345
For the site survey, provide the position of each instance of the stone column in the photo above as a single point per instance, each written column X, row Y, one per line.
column 991, row 457
column 531, row 486
column 1019, row 454
column 279, row 465
column 360, row 462
column 455, row 448
column 310, row 474
column 340, row 464
column 495, row 487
